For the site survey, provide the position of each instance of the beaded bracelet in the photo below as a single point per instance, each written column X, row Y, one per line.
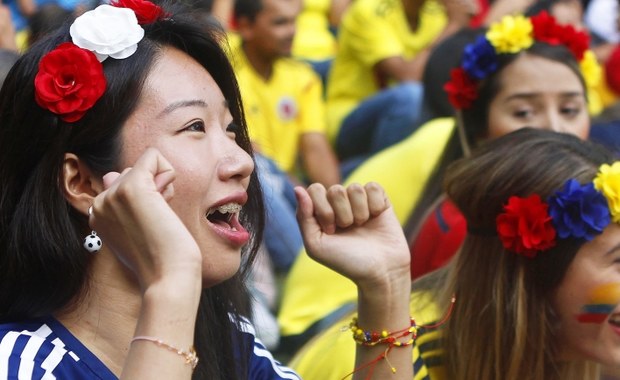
column 372, row 338
column 190, row 355
column 390, row 339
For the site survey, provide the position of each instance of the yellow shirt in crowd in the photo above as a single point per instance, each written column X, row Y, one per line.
column 371, row 31
column 312, row 291
column 313, row 39
column 279, row 110
column 331, row 355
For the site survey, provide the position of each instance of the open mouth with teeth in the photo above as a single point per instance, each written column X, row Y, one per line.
column 225, row 216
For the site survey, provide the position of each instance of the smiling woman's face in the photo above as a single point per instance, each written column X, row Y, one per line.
column 182, row 112
column 587, row 302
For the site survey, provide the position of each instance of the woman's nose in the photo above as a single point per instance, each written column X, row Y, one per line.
column 553, row 121
column 235, row 163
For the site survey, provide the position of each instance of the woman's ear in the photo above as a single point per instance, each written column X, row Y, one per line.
column 79, row 184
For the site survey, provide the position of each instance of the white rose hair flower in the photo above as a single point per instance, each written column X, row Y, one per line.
column 107, row 31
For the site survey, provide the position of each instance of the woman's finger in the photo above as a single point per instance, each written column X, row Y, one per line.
column 359, row 203
column 323, row 211
column 377, row 200
column 339, row 201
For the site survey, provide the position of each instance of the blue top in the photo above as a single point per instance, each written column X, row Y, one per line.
column 45, row 349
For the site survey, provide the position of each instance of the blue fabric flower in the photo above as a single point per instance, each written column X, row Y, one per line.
column 479, row 58
column 579, row 211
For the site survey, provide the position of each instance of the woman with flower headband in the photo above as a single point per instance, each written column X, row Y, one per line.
column 127, row 128
column 530, row 75
column 534, row 293
column 523, row 72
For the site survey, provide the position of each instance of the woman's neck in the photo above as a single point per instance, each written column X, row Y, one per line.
column 105, row 317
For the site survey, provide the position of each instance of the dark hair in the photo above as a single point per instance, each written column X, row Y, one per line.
column 476, row 123
column 509, row 294
column 436, row 73
column 44, row 265
column 248, row 9
column 46, row 19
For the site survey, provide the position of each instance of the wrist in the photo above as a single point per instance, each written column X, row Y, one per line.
column 390, row 292
column 173, row 292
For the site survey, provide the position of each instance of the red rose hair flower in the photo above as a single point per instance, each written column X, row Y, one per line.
column 526, row 227
column 546, row 29
column 462, row 89
column 69, row 82
column 612, row 71
column 146, row 11
column 576, row 41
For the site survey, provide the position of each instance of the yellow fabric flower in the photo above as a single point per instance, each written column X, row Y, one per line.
column 511, row 35
column 591, row 70
column 607, row 181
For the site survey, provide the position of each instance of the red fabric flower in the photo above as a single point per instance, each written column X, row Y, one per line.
column 69, row 82
column 576, row 41
column 525, row 227
column 546, row 29
column 146, row 11
column 612, row 71
column 462, row 89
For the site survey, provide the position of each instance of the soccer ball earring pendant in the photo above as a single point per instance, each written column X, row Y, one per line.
column 92, row 242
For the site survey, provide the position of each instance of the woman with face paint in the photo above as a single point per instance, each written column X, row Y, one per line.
column 534, row 293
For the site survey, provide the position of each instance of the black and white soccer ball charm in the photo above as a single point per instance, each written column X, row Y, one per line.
column 92, row 242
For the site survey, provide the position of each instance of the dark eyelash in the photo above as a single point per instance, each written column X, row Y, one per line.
column 233, row 127
column 198, row 125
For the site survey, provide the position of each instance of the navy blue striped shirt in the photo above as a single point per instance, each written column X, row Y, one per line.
column 45, row 349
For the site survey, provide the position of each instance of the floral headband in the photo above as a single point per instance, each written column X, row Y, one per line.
column 510, row 36
column 70, row 79
column 529, row 225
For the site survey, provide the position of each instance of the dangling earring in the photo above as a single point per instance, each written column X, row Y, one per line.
column 92, row 242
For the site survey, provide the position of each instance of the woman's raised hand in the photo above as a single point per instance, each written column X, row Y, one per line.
column 353, row 230
column 135, row 221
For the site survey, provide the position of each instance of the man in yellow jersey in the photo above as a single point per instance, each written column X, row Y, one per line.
column 374, row 94
column 282, row 96
column 285, row 113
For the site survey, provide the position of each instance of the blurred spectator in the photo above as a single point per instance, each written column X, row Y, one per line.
column 317, row 26
column 285, row 114
column 284, row 106
column 601, row 20
column 7, row 29
column 374, row 94
column 22, row 10
column 8, row 44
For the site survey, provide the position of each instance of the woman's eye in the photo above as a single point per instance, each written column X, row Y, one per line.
column 522, row 114
column 571, row 111
column 197, row 126
column 233, row 129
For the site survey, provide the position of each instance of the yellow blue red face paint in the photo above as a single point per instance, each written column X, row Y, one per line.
column 603, row 300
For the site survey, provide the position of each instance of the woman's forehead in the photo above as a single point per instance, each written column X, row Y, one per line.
column 538, row 74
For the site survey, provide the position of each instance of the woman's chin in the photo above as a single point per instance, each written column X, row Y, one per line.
column 216, row 271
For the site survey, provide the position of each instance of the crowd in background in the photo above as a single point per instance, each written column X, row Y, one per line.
column 343, row 91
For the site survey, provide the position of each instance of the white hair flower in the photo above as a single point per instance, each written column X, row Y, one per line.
column 107, row 31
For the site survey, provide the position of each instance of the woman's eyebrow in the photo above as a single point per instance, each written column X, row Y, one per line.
column 181, row 104
column 531, row 95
